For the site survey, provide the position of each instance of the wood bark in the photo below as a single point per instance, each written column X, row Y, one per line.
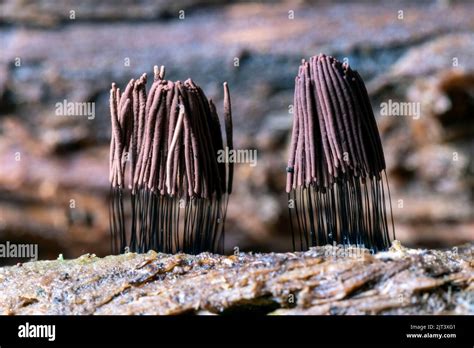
column 323, row 280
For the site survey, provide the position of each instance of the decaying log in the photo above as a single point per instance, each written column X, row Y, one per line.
column 323, row 280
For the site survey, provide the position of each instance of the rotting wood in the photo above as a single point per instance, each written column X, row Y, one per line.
column 323, row 280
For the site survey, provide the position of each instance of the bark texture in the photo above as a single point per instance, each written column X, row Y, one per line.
column 323, row 280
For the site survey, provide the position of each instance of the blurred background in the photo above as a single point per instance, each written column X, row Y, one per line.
column 54, row 170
